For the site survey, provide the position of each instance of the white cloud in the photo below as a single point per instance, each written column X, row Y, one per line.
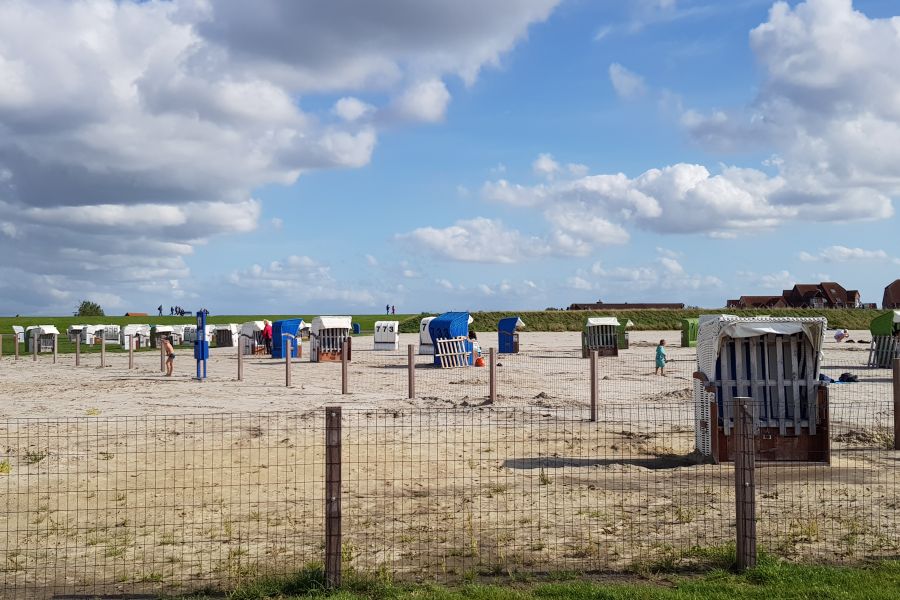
column 545, row 166
column 411, row 274
column 489, row 241
column 627, row 84
column 768, row 282
column 840, row 254
column 295, row 277
column 277, row 223
column 826, row 105
column 149, row 124
column 371, row 260
column 424, row 101
column 352, row 109
column 666, row 274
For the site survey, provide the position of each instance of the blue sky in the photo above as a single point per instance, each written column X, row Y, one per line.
column 503, row 162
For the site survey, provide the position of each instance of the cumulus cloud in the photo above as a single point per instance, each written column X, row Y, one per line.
column 545, row 166
column 626, row 84
column 424, row 101
column 665, row 274
column 296, row 278
column 490, row 241
column 352, row 109
column 826, row 105
column 840, row 254
column 826, row 108
column 149, row 124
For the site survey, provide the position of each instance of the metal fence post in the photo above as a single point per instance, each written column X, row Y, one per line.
column 240, row 360
column 130, row 351
column 55, row 347
column 286, row 343
column 745, row 483
column 78, row 350
column 344, row 367
column 411, row 369
column 897, row 404
column 593, row 359
column 333, row 496
column 492, row 356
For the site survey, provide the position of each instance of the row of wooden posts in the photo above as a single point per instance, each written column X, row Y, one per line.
column 34, row 352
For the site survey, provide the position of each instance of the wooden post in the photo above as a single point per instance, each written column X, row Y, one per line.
column 55, row 347
column 78, row 350
column 130, row 351
column 240, row 360
column 103, row 350
column 344, row 367
column 411, row 369
column 286, row 343
column 162, row 353
column 897, row 404
column 333, row 496
column 34, row 346
column 16, row 345
column 593, row 358
column 745, row 483
column 492, row 356
column 1, row 345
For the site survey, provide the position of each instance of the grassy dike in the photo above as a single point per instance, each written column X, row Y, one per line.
column 561, row 320
column 651, row 320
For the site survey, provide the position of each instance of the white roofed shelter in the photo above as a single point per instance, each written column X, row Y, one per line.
column 387, row 335
column 600, row 334
column 45, row 335
column 137, row 335
column 773, row 361
column 426, row 345
column 327, row 336
column 19, row 332
column 251, row 337
column 227, row 335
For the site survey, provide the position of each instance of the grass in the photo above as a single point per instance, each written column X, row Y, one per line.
column 771, row 579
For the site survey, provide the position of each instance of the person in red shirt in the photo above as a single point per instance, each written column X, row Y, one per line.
column 267, row 336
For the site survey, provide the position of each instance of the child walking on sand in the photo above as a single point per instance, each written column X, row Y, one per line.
column 661, row 358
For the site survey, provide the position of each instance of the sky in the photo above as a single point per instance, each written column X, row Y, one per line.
column 298, row 157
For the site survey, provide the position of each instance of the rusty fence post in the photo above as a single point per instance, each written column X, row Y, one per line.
column 344, row 382
column 333, row 496
column 411, row 369
column 745, row 483
column 492, row 356
column 897, row 404
column 593, row 359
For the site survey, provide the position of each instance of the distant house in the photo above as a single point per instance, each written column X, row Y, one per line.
column 891, row 297
column 600, row 305
column 758, row 302
column 828, row 294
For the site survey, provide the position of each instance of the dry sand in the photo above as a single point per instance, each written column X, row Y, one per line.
column 146, row 483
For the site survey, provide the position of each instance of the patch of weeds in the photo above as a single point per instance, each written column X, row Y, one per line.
column 5, row 467
column 106, row 456
column 543, row 478
column 307, row 581
column 33, row 457
column 92, row 412
column 497, row 489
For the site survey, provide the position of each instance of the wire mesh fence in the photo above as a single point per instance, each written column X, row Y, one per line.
column 448, row 485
